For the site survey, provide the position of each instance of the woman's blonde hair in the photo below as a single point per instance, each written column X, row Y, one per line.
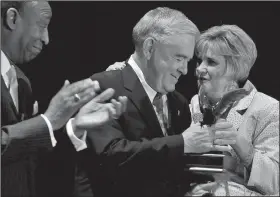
column 234, row 44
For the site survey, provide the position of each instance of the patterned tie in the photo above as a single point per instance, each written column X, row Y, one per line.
column 158, row 103
column 13, row 85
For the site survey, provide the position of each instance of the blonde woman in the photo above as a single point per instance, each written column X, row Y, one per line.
column 227, row 55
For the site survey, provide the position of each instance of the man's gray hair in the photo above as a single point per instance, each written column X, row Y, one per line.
column 18, row 5
column 161, row 23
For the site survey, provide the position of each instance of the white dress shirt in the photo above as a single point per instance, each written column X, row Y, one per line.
column 5, row 67
column 150, row 92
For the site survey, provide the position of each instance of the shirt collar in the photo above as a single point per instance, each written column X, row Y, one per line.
column 246, row 101
column 150, row 91
column 5, row 64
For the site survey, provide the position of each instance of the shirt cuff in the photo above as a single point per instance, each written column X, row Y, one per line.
column 79, row 144
column 53, row 140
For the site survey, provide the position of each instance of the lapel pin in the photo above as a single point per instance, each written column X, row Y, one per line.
column 22, row 116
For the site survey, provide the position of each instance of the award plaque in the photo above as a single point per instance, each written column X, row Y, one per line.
column 214, row 161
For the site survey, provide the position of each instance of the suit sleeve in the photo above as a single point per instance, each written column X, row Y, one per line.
column 117, row 151
column 265, row 166
column 24, row 138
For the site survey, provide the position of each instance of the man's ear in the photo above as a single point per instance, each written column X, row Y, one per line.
column 148, row 47
column 12, row 18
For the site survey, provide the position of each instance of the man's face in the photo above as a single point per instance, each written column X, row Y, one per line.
column 169, row 61
column 33, row 30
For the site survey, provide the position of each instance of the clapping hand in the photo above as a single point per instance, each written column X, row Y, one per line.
column 97, row 113
column 69, row 99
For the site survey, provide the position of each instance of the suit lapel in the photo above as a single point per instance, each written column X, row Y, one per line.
column 140, row 99
column 235, row 118
column 239, row 113
column 23, row 98
column 174, row 112
column 6, row 96
column 25, row 95
column 171, row 114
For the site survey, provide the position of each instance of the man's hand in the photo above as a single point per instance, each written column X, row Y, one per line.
column 116, row 66
column 96, row 113
column 199, row 139
column 64, row 104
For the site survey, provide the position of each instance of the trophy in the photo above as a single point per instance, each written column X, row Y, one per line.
column 214, row 161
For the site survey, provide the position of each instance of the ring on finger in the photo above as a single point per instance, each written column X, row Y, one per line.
column 77, row 98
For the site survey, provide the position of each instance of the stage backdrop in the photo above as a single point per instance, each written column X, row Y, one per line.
column 86, row 37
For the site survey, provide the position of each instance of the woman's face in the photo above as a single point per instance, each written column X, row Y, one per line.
column 212, row 75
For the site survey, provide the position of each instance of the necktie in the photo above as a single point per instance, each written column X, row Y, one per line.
column 158, row 103
column 13, row 85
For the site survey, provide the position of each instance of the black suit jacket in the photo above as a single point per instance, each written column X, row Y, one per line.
column 27, row 135
column 131, row 157
column 30, row 166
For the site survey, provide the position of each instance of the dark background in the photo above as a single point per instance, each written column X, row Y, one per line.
column 87, row 37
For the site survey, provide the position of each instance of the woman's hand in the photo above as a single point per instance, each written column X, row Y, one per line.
column 116, row 66
column 225, row 136
column 245, row 150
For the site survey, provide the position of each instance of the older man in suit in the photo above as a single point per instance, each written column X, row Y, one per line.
column 141, row 154
column 24, row 134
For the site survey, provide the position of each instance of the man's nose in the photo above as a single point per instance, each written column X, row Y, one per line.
column 184, row 68
column 45, row 37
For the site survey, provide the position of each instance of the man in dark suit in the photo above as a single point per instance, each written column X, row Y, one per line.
column 141, row 154
column 23, row 133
